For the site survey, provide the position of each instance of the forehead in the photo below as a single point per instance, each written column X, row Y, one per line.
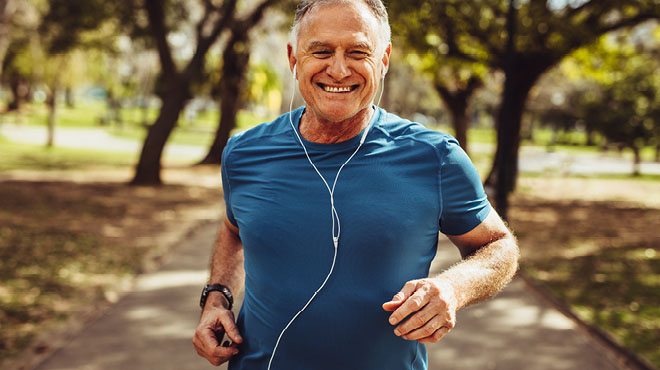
column 351, row 22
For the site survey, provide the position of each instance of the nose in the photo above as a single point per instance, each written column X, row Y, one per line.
column 338, row 68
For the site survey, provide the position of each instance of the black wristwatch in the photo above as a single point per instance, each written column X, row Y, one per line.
column 216, row 288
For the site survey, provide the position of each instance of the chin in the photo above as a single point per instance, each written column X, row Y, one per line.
column 339, row 114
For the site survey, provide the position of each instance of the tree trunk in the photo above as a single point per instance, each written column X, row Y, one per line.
column 51, row 102
column 521, row 73
column 636, row 160
column 18, row 91
column 457, row 102
column 459, row 120
column 147, row 171
column 235, row 63
column 70, row 100
column 504, row 172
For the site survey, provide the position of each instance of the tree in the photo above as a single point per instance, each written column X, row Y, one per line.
column 235, row 58
column 175, row 82
column 623, row 103
column 63, row 28
column 18, row 23
column 7, row 9
column 544, row 32
column 454, row 80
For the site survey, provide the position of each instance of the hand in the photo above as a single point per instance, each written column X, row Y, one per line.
column 431, row 304
column 212, row 326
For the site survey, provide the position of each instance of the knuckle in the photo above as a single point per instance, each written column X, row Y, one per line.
column 417, row 321
column 416, row 301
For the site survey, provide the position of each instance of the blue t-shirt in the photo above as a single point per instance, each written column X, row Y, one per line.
column 403, row 186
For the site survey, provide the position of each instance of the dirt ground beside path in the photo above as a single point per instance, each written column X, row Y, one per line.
column 595, row 245
column 70, row 247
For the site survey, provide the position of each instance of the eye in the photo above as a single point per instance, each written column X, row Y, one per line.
column 358, row 54
column 322, row 54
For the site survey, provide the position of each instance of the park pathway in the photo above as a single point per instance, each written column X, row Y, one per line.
column 532, row 159
column 152, row 326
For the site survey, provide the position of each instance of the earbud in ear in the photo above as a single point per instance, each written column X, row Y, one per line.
column 294, row 72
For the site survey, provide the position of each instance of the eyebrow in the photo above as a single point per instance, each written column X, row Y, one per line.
column 317, row 44
column 321, row 44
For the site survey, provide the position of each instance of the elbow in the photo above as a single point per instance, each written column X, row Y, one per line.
column 512, row 253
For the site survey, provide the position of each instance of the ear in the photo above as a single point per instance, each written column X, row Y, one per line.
column 292, row 59
column 386, row 59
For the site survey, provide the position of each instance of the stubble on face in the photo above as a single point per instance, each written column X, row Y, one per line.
column 338, row 67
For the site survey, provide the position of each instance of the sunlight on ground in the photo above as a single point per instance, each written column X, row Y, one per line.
column 171, row 279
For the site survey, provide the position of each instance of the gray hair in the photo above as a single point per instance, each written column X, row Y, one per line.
column 376, row 7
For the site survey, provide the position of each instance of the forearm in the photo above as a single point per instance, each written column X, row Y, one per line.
column 226, row 263
column 484, row 273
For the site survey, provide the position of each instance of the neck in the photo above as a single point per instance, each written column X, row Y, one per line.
column 319, row 130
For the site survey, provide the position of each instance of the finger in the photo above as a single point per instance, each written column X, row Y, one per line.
column 439, row 334
column 207, row 339
column 418, row 321
column 208, row 347
column 229, row 326
column 224, row 353
column 220, row 355
column 391, row 305
column 422, row 331
column 413, row 304
column 407, row 290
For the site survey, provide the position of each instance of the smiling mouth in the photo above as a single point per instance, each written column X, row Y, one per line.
column 337, row 89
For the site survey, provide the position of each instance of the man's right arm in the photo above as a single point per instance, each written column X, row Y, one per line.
column 226, row 269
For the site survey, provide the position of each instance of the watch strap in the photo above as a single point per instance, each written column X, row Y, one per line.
column 216, row 288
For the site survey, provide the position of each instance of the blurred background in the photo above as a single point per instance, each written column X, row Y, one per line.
column 557, row 103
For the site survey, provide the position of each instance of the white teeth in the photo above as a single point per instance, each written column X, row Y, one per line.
column 336, row 89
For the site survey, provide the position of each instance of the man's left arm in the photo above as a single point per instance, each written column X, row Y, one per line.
column 490, row 259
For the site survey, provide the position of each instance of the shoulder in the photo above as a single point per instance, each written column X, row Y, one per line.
column 406, row 131
column 261, row 134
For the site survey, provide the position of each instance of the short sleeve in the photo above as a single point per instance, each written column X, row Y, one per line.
column 226, row 185
column 464, row 201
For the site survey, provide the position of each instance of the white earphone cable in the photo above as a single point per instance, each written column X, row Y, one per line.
column 333, row 210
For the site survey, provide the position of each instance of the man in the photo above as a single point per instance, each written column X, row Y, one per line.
column 335, row 207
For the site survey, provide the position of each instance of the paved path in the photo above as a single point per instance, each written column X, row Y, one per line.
column 152, row 327
column 532, row 159
column 92, row 139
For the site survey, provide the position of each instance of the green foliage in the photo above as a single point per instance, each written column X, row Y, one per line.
column 475, row 31
column 620, row 90
column 65, row 20
column 264, row 86
column 37, row 157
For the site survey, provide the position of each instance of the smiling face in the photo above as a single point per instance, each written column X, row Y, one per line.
column 339, row 60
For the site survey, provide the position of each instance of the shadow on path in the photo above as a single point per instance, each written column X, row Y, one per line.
column 152, row 327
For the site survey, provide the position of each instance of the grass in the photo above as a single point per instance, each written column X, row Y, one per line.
column 95, row 114
column 38, row 157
